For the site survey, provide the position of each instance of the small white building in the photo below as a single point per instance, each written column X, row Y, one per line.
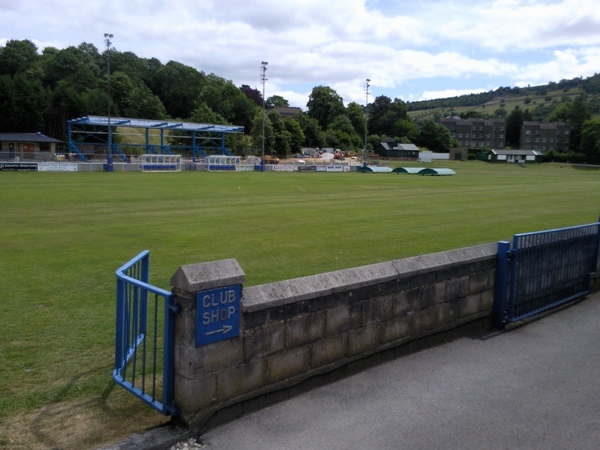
column 514, row 156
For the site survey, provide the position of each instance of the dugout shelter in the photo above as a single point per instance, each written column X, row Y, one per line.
column 91, row 135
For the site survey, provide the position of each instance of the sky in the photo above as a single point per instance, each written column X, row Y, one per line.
column 408, row 49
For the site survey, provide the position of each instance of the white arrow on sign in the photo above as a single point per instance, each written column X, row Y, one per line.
column 224, row 330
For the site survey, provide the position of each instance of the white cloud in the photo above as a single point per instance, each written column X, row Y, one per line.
column 337, row 43
column 566, row 64
column 519, row 25
column 430, row 95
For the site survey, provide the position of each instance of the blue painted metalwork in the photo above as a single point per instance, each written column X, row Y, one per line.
column 117, row 150
column 543, row 270
column 74, row 149
column 501, row 285
column 198, row 151
column 145, row 335
column 213, row 135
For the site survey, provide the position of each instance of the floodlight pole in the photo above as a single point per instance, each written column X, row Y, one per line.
column 367, row 81
column 263, row 79
column 107, row 38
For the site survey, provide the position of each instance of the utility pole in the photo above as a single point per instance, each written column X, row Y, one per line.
column 107, row 38
column 366, row 106
column 263, row 79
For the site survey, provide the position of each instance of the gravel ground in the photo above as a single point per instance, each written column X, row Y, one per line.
column 190, row 444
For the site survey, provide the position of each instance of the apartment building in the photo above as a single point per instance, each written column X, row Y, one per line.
column 545, row 136
column 477, row 133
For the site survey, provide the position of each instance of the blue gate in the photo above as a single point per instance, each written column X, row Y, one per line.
column 543, row 270
column 145, row 334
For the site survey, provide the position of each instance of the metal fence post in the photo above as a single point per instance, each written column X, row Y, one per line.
column 597, row 258
column 501, row 285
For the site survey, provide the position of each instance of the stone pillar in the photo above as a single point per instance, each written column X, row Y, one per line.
column 207, row 333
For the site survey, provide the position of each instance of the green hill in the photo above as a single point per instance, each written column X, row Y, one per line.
column 539, row 100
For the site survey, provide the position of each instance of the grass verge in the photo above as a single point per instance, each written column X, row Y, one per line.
column 64, row 235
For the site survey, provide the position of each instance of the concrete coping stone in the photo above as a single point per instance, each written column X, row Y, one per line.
column 271, row 295
column 209, row 275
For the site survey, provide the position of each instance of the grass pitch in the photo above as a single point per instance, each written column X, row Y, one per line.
column 64, row 234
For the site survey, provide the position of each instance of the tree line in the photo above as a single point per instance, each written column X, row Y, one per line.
column 41, row 92
column 590, row 85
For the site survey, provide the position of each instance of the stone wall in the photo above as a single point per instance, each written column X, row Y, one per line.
column 295, row 329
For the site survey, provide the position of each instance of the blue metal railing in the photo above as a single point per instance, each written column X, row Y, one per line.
column 543, row 270
column 145, row 333
column 74, row 149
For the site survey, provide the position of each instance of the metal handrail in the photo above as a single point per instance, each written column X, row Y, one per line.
column 137, row 336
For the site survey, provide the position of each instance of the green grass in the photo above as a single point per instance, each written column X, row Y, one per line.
column 63, row 236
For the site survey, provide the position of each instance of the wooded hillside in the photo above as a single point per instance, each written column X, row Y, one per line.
column 41, row 92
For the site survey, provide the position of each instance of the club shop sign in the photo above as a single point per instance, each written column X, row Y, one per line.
column 217, row 314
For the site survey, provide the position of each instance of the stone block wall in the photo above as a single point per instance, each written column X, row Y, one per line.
column 295, row 329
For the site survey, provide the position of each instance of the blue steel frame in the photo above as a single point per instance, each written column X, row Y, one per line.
column 213, row 135
column 138, row 346
column 544, row 270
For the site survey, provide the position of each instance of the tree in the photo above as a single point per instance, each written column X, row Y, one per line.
column 435, row 137
column 178, row 88
column 243, row 110
column 313, row 134
column 500, row 113
column 471, row 115
column 252, row 94
column 514, row 122
column 96, row 101
column 23, row 101
column 356, row 114
column 592, row 85
column 561, row 113
column 141, row 102
column 132, row 98
column 282, row 137
column 406, row 130
column 324, row 105
column 224, row 98
column 377, row 122
column 383, row 114
column 579, row 114
column 341, row 134
column 256, row 134
column 203, row 114
column 82, row 66
column 373, row 140
column 17, row 57
column 120, row 87
column 240, row 144
column 153, row 67
column 590, row 140
column 66, row 103
column 7, row 100
column 276, row 101
column 128, row 62
column 296, row 134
